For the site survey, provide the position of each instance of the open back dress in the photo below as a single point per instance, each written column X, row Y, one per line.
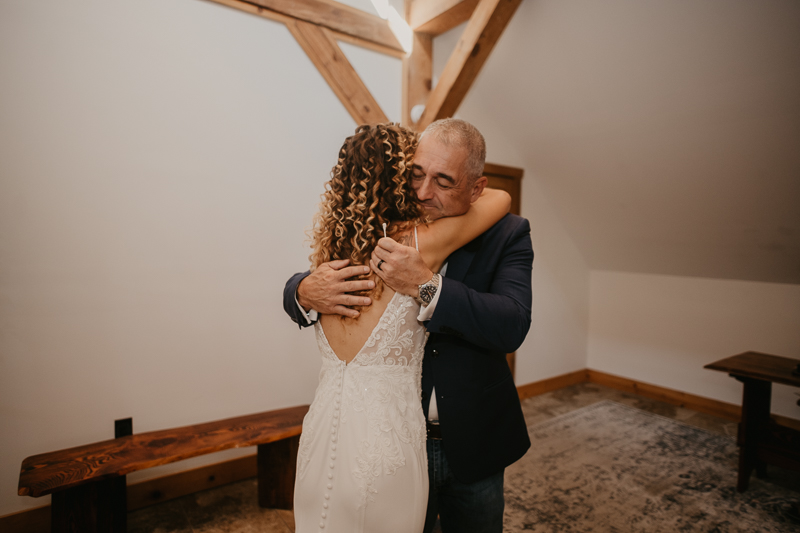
column 362, row 463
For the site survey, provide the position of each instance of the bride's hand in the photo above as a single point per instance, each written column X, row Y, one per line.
column 401, row 267
column 326, row 290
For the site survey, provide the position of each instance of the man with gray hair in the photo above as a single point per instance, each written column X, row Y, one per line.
column 476, row 309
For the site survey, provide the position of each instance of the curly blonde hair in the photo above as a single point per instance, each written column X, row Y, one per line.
column 369, row 186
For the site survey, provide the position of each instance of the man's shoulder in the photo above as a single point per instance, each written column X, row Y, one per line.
column 510, row 223
column 508, row 229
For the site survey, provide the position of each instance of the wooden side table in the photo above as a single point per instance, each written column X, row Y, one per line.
column 761, row 440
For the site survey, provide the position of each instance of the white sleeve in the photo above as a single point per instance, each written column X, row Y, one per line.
column 310, row 317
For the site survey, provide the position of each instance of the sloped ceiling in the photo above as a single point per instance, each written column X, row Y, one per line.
column 665, row 132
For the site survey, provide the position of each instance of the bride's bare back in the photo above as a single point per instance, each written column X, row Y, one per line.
column 347, row 336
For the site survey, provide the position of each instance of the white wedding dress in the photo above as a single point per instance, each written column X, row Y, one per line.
column 362, row 464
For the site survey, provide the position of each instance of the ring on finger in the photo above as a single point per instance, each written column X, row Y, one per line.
column 380, row 263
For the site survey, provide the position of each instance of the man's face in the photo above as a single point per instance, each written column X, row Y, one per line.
column 439, row 181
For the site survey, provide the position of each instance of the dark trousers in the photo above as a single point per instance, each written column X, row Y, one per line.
column 461, row 507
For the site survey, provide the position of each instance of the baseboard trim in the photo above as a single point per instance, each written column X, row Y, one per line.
column 548, row 385
column 700, row 404
column 35, row 520
column 681, row 399
column 142, row 494
column 173, row 486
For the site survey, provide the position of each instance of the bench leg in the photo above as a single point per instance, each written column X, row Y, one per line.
column 97, row 507
column 756, row 399
column 277, row 465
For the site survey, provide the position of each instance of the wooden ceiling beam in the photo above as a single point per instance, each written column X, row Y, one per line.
column 336, row 17
column 476, row 43
column 321, row 47
column 317, row 24
column 355, row 25
column 435, row 17
column 417, row 76
column 375, row 47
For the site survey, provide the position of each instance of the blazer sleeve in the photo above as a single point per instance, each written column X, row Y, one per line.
column 290, row 299
column 494, row 314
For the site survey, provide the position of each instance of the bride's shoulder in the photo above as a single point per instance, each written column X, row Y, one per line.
column 404, row 234
column 406, row 238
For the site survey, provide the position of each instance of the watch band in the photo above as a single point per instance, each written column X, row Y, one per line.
column 428, row 290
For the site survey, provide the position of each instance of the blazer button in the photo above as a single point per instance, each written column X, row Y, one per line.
column 434, row 352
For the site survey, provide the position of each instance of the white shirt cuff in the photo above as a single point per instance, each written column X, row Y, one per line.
column 426, row 311
column 309, row 317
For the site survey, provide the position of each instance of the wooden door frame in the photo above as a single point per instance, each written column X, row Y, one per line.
column 508, row 179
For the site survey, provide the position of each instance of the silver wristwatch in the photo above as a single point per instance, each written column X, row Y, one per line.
column 428, row 290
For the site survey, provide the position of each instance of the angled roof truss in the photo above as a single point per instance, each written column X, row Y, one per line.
column 319, row 24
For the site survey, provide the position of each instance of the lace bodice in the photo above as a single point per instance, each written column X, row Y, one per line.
column 397, row 339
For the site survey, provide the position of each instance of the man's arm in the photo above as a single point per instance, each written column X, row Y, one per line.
column 290, row 304
column 498, row 316
column 326, row 290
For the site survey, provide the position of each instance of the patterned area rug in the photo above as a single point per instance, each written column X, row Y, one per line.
column 609, row 467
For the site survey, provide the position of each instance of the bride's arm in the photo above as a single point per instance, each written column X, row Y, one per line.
column 442, row 237
column 403, row 269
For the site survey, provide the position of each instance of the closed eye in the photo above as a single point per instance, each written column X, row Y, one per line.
column 444, row 182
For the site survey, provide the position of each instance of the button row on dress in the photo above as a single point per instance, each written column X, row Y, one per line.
column 336, row 406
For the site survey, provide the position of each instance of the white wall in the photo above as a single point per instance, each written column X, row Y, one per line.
column 665, row 133
column 664, row 329
column 557, row 341
column 159, row 164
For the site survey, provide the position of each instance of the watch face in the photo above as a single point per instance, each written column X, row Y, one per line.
column 428, row 290
column 426, row 294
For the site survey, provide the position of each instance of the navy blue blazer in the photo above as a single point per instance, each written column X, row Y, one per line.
column 483, row 312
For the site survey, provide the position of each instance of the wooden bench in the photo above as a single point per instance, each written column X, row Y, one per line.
column 88, row 483
column 761, row 440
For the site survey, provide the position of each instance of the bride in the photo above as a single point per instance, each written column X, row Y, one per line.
column 362, row 465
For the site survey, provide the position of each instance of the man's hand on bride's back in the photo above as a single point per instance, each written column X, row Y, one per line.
column 327, row 289
column 401, row 267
